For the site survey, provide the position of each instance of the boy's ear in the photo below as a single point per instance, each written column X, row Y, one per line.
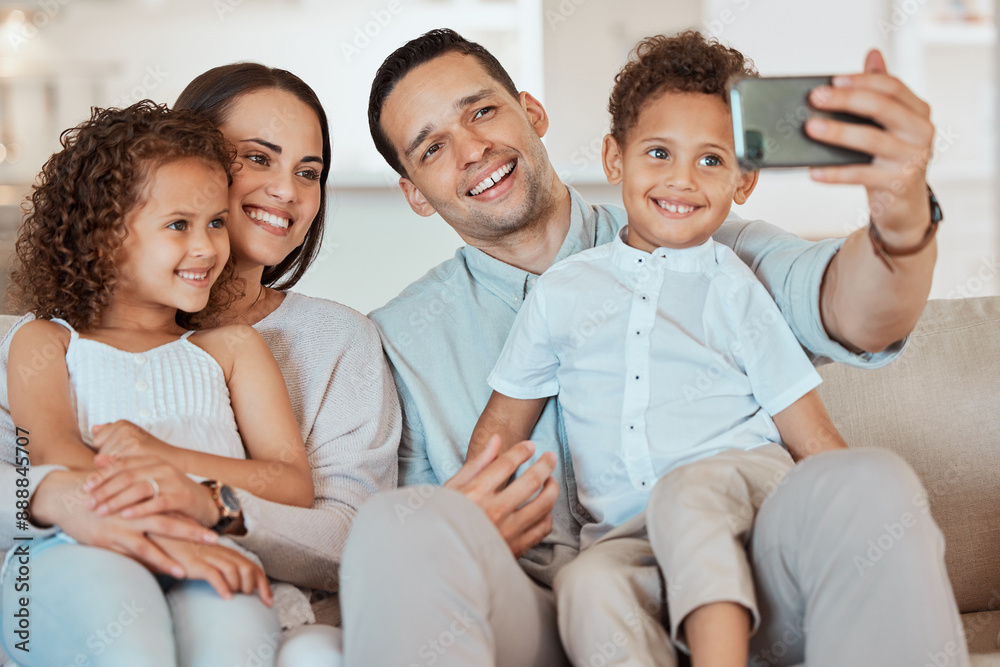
column 537, row 115
column 611, row 157
column 415, row 198
column 748, row 181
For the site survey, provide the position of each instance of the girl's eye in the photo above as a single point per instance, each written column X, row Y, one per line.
column 178, row 225
column 310, row 174
column 218, row 223
column 658, row 153
column 482, row 112
column 711, row 161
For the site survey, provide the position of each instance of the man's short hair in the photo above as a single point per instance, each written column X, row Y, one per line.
column 683, row 63
column 414, row 53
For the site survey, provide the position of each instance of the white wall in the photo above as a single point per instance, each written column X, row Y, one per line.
column 375, row 244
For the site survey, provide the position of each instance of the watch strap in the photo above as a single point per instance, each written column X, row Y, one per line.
column 885, row 251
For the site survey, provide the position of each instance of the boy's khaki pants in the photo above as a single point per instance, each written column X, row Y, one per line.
column 440, row 587
column 696, row 528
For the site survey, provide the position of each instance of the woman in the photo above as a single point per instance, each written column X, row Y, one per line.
column 330, row 356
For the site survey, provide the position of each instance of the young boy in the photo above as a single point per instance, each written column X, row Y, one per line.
column 673, row 367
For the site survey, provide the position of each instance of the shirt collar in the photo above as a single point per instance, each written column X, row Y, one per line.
column 512, row 284
column 696, row 259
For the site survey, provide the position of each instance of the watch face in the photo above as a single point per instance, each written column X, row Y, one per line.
column 229, row 499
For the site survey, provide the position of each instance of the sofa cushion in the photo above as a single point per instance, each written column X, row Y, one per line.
column 938, row 407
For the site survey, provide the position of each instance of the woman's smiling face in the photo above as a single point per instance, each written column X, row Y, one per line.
column 275, row 193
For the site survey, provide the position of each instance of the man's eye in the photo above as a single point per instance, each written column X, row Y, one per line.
column 658, row 153
column 482, row 112
column 711, row 161
column 434, row 148
column 218, row 223
column 178, row 225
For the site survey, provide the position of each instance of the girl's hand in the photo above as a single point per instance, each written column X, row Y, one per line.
column 226, row 570
column 123, row 438
column 140, row 486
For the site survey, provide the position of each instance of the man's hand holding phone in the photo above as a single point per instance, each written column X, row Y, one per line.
column 897, row 175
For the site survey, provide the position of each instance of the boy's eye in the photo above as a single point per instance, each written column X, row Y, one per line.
column 178, row 225
column 658, row 153
column 218, row 223
column 711, row 161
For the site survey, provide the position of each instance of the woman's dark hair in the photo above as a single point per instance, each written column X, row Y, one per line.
column 74, row 220
column 214, row 93
column 416, row 52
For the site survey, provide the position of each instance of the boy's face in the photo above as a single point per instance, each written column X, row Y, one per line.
column 678, row 171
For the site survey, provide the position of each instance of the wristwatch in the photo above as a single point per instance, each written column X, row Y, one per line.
column 885, row 251
column 227, row 502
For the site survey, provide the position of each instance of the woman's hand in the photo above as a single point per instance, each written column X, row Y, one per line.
column 226, row 570
column 140, row 486
column 123, row 438
column 59, row 500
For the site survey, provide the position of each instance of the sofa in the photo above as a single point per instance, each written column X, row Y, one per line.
column 938, row 407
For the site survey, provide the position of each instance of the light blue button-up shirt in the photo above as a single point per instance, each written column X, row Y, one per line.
column 443, row 334
column 659, row 359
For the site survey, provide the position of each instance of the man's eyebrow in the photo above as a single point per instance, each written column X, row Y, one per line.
column 427, row 129
column 266, row 144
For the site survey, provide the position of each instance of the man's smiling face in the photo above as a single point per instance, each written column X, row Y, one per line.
column 472, row 152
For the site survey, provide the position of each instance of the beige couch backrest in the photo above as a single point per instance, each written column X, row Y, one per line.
column 938, row 407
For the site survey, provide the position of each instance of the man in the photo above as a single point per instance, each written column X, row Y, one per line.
column 428, row 576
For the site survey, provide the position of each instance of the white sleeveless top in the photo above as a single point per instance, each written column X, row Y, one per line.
column 177, row 392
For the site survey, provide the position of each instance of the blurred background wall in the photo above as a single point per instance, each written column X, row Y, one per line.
column 60, row 57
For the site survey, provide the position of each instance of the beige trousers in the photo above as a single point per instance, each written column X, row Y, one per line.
column 441, row 587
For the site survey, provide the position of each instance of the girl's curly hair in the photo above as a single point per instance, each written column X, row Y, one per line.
column 74, row 218
column 683, row 63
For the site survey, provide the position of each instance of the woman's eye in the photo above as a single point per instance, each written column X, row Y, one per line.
column 310, row 174
column 258, row 158
column 711, row 161
column 658, row 153
column 178, row 225
column 218, row 223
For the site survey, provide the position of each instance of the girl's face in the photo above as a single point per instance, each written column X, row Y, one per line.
column 275, row 193
column 177, row 244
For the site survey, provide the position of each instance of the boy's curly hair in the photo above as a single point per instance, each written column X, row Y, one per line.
column 74, row 218
column 683, row 63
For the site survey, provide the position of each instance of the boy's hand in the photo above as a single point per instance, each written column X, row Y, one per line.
column 123, row 438
column 896, row 178
column 521, row 522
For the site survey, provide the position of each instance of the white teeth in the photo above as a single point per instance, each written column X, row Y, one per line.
column 263, row 216
column 189, row 275
column 674, row 208
column 492, row 179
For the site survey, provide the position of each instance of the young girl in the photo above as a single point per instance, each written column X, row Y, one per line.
column 124, row 240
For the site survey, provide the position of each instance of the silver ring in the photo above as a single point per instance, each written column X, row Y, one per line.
column 156, row 487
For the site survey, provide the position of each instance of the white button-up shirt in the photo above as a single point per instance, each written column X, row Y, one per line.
column 659, row 359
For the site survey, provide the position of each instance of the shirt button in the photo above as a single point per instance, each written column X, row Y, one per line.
column 139, row 359
column 644, row 297
column 141, row 385
column 631, row 428
column 636, row 377
column 145, row 413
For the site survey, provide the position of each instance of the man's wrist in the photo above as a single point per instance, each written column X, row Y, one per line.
column 46, row 506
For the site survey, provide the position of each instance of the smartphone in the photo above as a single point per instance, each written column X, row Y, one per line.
column 768, row 118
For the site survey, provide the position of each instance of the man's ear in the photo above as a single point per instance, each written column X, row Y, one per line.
column 748, row 181
column 415, row 198
column 537, row 116
column 611, row 158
